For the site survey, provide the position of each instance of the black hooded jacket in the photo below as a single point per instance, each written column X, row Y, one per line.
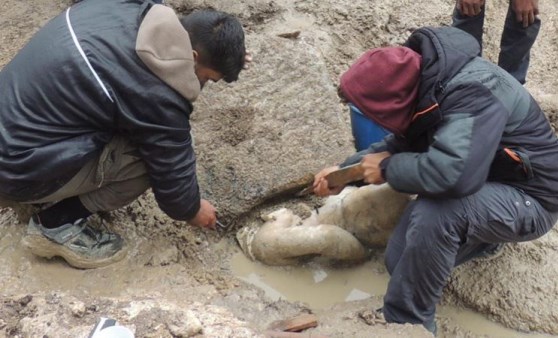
column 83, row 79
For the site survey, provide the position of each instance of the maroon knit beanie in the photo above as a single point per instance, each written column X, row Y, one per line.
column 383, row 84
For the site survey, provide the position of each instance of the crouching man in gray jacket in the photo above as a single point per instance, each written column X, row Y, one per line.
column 469, row 141
column 95, row 109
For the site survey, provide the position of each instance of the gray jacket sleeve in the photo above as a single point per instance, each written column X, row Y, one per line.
column 389, row 143
column 458, row 160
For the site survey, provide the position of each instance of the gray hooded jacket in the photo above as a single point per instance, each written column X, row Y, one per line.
column 473, row 123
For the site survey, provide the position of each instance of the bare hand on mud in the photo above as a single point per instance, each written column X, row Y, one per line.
column 206, row 216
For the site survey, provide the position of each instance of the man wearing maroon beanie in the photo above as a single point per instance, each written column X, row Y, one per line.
column 469, row 141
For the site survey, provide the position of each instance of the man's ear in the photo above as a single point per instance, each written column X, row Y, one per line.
column 196, row 55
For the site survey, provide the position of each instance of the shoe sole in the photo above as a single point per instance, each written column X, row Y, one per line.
column 43, row 247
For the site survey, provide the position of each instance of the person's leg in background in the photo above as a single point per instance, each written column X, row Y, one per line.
column 470, row 24
column 441, row 234
column 107, row 183
column 515, row 46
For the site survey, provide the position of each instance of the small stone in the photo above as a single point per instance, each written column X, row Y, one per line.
column 92, row 308
column 78, row 309
column 185, row 325
column 164, row 257
column 25, row 300
column 372, row 317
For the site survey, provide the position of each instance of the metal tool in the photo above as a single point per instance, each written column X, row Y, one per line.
column 308, row 190
column 221, row 226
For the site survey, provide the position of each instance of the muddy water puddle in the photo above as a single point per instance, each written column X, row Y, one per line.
column 321, row 287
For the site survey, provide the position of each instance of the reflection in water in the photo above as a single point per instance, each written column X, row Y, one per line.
column 321, row 287
column 309, row 284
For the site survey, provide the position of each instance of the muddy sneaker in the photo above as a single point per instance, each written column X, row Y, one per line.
column 81, row 245
column 432, row 327
column 492, row 252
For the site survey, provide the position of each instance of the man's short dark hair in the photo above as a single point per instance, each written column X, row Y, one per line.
column 219, row 40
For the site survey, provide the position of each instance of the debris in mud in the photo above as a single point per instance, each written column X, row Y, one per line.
column 290, row 35
column 165, row 256
column 295, row 324
column 11, row 313
column 372, row 317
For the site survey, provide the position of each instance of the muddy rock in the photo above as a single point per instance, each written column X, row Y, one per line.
column 518, row 288
column 268, row 133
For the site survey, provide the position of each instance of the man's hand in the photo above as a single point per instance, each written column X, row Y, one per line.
column 470, row 7
column 371, row 165
column 206, row 216
column 525, row 11
column 321, row 186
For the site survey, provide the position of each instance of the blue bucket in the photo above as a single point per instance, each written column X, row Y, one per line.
column 365, row 131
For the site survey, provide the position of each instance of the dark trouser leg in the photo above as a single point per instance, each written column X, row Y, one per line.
column 470, row 24
column 398, row 239
column 515, row 46
column 440, row 233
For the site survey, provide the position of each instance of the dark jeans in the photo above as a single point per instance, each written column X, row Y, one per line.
column 435, row 235
column 516, row 42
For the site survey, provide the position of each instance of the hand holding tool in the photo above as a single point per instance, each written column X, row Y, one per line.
column 342, row 176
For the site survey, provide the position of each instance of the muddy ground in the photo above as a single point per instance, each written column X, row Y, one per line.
column 257, row 141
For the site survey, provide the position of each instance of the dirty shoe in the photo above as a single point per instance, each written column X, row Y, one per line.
column 81, row 245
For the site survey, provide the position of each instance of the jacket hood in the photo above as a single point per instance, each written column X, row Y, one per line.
column 383, row 83
column 164, row 47
column 444, row 51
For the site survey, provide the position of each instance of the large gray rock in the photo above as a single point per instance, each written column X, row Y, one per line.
column 519, row 288
column 269, row 132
